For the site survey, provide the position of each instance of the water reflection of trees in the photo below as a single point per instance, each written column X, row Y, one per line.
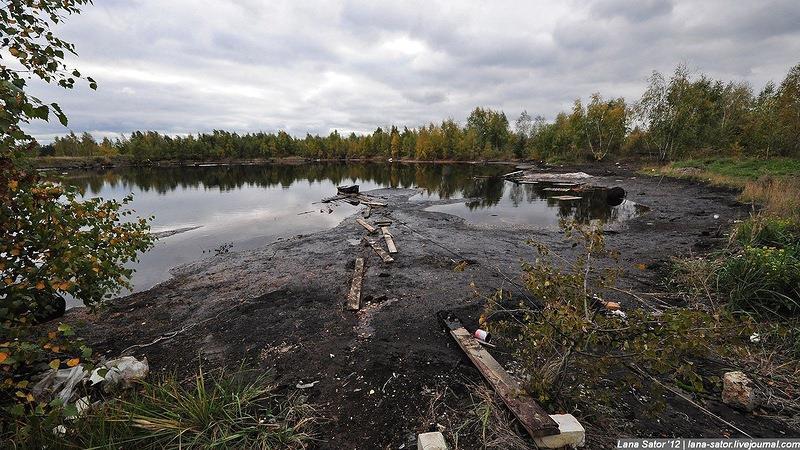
column 592, row 206
column 443, row 180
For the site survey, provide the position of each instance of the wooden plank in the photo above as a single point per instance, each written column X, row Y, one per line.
column 370, row 229
column 516, row 173
column 379, row 250
column 369, row 201
column 532, row 417
column 565, row 197
column 557, row 189
column 389, row 240
column 354, row 296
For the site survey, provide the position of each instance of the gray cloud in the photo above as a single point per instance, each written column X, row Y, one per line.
column 245, row 65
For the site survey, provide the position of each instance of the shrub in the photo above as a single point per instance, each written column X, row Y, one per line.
column 762, row 279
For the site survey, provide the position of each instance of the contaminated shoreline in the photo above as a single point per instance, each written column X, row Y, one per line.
column 280, row 308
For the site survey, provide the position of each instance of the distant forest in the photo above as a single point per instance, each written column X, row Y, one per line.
column 681, row 116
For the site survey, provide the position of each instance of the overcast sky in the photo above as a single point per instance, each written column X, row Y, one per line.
column 187, row 66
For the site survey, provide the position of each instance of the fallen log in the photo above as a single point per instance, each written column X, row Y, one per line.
column 532, row 417
column 354, row 296
column 389, row 240
column 370, row 229
column 379, row 250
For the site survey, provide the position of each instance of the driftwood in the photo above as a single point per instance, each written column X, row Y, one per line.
column 370, row 229
column 389, row 240
column 532, row 417
column 379, row 250
column 557, row 189
column 369, row 201
column 565, row 197
column 516, row 173
column 354, row 296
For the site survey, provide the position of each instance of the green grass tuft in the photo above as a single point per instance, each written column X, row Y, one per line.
column 218, row 410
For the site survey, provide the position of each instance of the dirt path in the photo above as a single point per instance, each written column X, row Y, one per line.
column 281, row 307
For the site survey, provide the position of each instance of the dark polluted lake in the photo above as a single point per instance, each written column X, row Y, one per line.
column 203, row 210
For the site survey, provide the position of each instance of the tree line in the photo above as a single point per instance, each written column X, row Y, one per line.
column 679, row 116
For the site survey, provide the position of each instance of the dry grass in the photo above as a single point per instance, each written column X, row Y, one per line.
column 777, row 196
column 492, row 421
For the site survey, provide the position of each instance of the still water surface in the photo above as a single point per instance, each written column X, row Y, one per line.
column 240, row 207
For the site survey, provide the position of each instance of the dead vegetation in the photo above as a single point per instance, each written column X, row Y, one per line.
column 776, row 196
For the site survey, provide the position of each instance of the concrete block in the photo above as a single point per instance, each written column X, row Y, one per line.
column 572, row 433
column 431, row 441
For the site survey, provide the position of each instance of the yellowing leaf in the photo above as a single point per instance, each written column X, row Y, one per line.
column 12, row 184
column 73, row 362
column 3, row 356
column 54, row 364
column 641, row 266
column 39, row 285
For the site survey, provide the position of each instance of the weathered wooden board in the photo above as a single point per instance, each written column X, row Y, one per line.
column 532, row 417
column 379, row 250
column 354, row 296
column 369, row 201
column 516, row 173
column 557, row 189
column 566, row 197
column 389, row 240
column 368, row 227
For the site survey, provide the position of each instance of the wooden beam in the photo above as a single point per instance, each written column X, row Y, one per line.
column 370, row 229
column 354, row 297
column 532, row 417
column 379, row 250
column 389, row 240
column 369, row 201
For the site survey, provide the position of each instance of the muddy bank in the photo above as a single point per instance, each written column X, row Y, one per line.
column 281, row 307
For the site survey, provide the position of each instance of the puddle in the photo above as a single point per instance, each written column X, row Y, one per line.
column 541, row 205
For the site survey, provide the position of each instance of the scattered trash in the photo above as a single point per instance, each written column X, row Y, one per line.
column 431, row 441
column 482, row 335
column 60, row 383
column 120, row 373
column 307, row 385
column 114, row 374
column 611, row 306
column 738, row 392
column 716, row 216
column 755, row 338
column 532, row 417
column 619, row 314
